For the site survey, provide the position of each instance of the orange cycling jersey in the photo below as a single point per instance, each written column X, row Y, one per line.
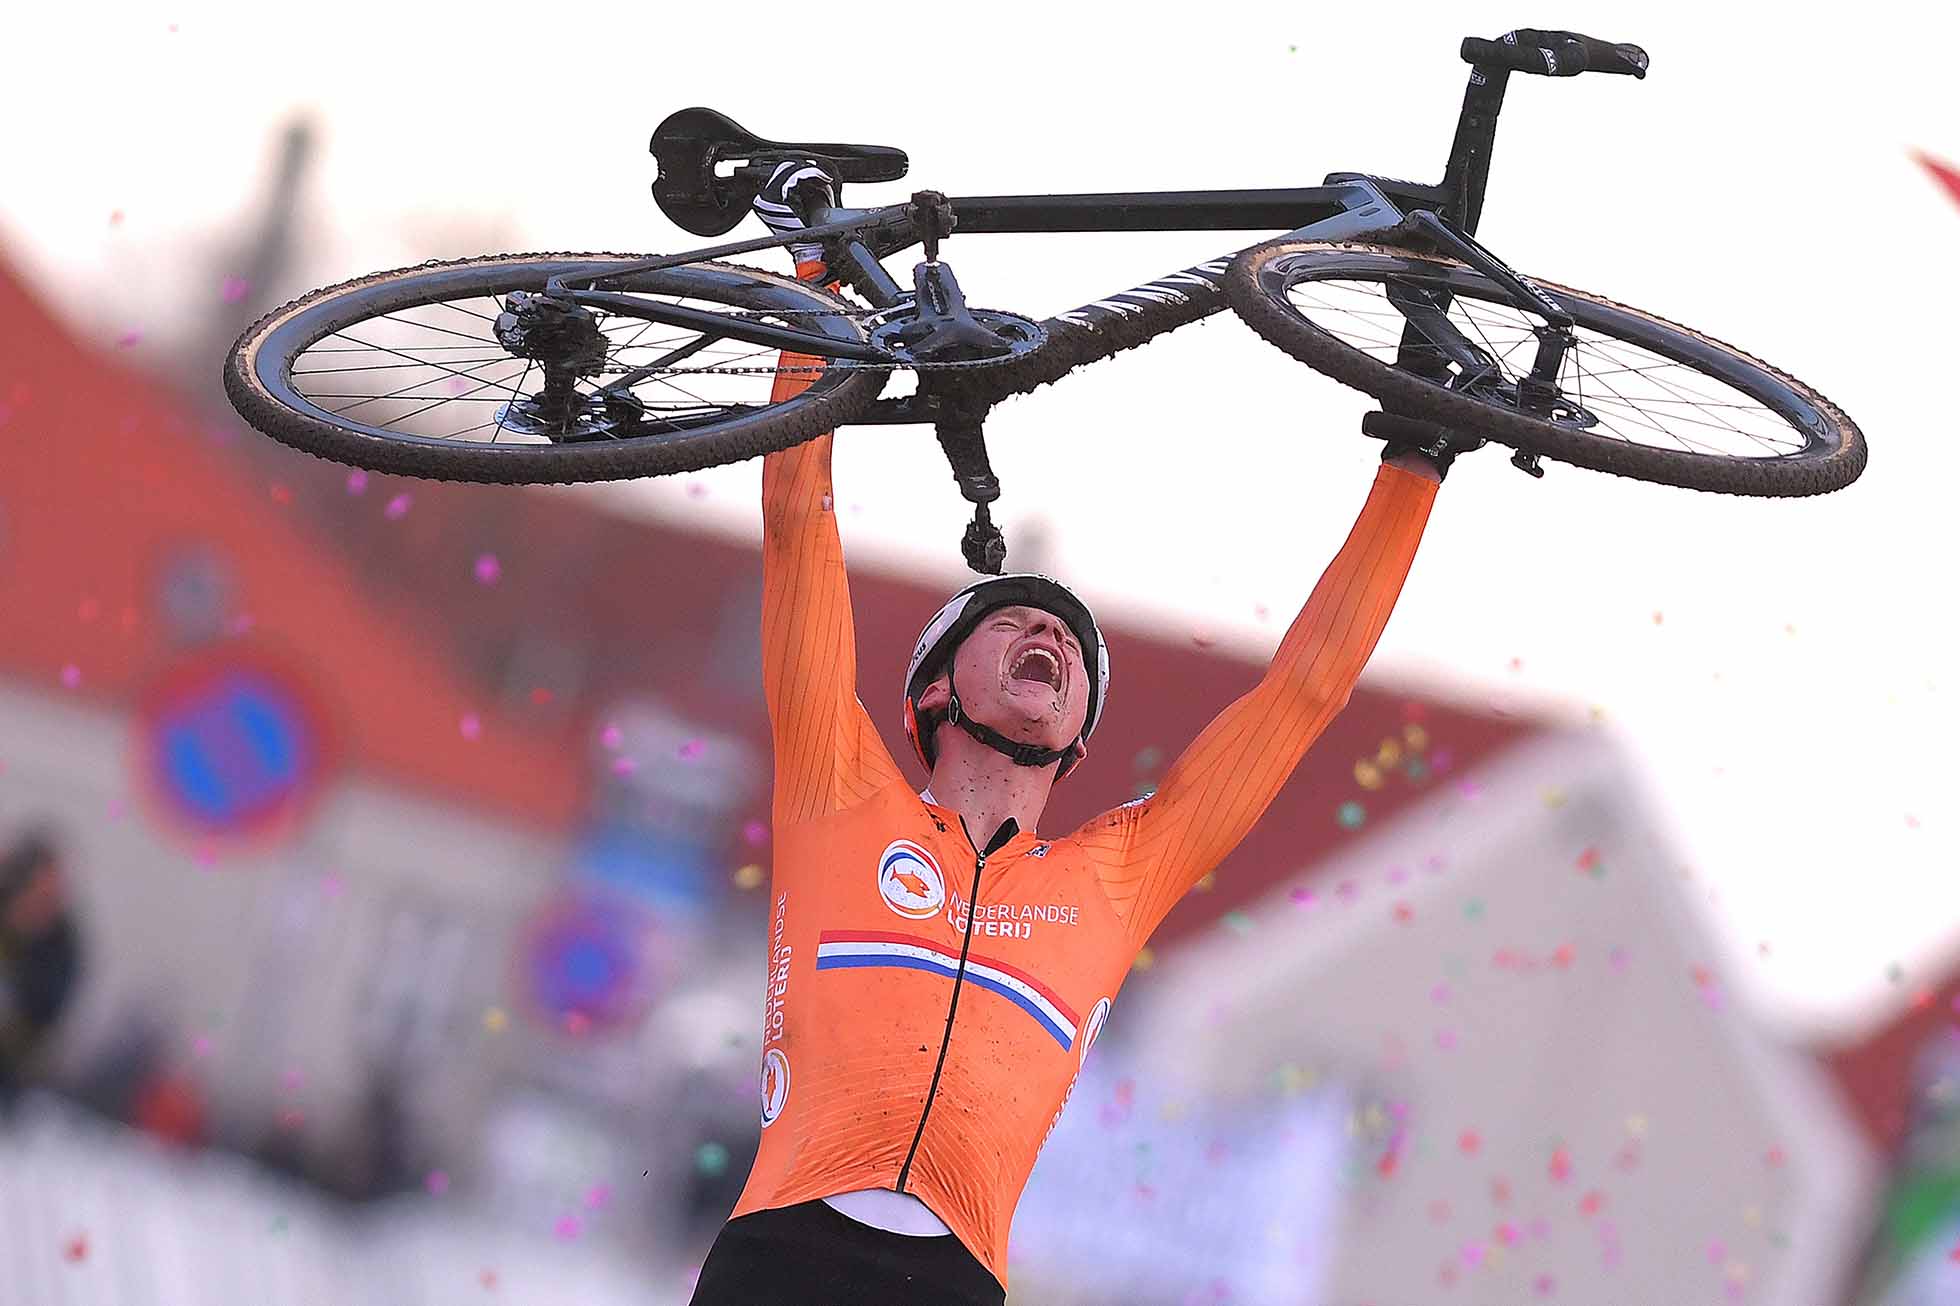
column 932, row 991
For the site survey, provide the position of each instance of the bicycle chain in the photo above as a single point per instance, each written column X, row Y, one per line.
column 950, row 366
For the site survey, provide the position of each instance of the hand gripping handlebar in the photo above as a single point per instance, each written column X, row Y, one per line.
column 1554, row 54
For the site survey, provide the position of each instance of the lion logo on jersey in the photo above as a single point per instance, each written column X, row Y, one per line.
column 775, row 1085
column 909, row 881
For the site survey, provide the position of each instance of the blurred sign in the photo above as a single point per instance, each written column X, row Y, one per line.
column 587, row 963
column 232, row 744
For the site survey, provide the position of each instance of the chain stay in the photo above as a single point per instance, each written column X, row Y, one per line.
column 959, row 365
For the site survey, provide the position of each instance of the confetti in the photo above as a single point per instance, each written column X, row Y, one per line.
column 1145, row 959
column 357, row 482
column 598, row 1196
column 567, row 1228
column 691, row 750
column 201, row 1045
column 487, row 569
column 1561, row 1166
column 280, row 493
column 624, row 766
column 610, row 736
column 1590, row 859
column 495, row 1020
column 696, row 490
column 76, row 1250
column 711, row 1159
column 398, row 506
column 748, row 877
column 755, row 833
column 115, row 217
column 235, row 289
column 129, row 339
column 470, row 726
column 71, row 676
column 1657, row 618
column 1351, row 815
column 1468, row 1142
column 488, row 1278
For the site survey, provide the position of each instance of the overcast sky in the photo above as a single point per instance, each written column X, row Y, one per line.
column 1785, row 672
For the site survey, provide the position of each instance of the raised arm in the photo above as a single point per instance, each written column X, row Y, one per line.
column 828, row 753
column 1152, row 852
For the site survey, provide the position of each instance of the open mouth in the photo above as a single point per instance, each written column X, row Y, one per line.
column 1037, row 665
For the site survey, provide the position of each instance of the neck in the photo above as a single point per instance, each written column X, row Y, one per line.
column 986, row 788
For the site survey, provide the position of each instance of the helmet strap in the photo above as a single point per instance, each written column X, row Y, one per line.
column 1018, row 753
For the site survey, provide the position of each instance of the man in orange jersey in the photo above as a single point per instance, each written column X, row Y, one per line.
column 937, row 970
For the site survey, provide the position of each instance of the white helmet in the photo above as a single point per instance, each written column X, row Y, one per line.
column 954, row 622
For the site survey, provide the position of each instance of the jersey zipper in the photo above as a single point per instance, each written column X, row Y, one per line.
column 1008, row 829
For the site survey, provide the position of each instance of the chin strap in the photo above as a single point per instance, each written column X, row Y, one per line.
column 1019, row 754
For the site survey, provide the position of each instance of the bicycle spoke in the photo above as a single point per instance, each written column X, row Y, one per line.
column 1624, row 391
column 425, row 370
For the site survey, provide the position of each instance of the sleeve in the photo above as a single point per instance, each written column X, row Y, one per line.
column 1149, row 853
column 828, row 754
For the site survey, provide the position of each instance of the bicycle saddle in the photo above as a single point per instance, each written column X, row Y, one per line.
column 689, row 143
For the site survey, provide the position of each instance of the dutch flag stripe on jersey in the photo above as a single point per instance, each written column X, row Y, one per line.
column 838, row 951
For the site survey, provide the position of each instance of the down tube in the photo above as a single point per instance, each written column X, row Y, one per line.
column 1203, row 283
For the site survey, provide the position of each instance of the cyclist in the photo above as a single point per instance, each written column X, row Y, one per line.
column 937, row 970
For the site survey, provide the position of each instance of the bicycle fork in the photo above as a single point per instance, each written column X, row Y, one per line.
column 1538, row 390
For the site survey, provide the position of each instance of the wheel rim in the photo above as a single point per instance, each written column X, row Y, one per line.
column 1673, row 394
column 423, row 366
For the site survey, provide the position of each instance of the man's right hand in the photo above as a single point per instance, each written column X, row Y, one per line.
column 792, row 187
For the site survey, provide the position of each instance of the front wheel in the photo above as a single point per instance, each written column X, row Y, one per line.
column 418, row 372
column 1637, row 396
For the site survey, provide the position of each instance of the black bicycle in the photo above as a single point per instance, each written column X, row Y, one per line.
column 538, row 368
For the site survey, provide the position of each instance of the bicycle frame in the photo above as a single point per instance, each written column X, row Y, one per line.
column 1345, row 206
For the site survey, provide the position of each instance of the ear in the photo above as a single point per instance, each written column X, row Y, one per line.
column 936, row 695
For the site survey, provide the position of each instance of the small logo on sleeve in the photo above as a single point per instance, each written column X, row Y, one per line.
column 1091, row 1028
column 775, row 1085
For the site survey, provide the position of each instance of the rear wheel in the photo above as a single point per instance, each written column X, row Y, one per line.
column 1638, row 396
column 409, row 372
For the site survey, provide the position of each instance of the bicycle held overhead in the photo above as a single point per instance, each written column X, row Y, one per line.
column 538, row 368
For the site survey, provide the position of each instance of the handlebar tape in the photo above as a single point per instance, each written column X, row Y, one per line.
column 1554, row 54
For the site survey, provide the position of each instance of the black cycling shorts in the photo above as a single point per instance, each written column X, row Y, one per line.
column 812, row 1254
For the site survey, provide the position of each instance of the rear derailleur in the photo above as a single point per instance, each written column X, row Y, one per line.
column 565, row 339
